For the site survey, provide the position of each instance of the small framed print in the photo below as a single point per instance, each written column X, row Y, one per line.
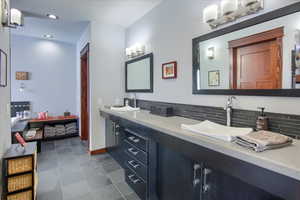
column 214, row 78
column 3, row 68
column 22, row 76
column 169, row 70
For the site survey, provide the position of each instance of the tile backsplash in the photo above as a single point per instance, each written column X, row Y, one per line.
column 282, row 123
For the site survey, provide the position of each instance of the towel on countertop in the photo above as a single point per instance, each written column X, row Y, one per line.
column 263, row 140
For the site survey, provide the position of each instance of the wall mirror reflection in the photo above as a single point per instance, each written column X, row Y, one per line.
column 139, row 74
column 251, row 58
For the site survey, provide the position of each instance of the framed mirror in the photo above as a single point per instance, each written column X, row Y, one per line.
column 259, row 56
column 139, row 74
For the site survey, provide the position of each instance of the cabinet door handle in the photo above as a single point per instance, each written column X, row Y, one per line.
column 133, row 139
column 134, row 181
column 206, row 186
column 131, row 163
column 131, row 150
column 196, row 180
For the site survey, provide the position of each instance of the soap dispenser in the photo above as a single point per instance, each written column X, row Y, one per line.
column 262, row 122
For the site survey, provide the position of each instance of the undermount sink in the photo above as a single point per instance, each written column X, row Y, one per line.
column 217, row 131
column 124, row 109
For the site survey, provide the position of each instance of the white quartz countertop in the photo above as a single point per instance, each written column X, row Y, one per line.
column 284, row 161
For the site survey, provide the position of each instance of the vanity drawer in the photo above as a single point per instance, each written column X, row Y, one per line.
column 136, row 183
column 136, row 166
column 135, row 152
column 133, row 138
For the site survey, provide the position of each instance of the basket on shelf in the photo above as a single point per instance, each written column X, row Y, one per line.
column 27, row 195
column 19, row 182
column 20, row 165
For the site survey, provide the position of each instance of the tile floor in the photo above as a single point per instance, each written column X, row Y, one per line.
column 68, row 172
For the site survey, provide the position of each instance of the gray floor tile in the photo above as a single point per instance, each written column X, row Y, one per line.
column 98, row 181
column 132, row 196
column 76, row 189
column 107, row 193
column 117, row 176
column 124, row 188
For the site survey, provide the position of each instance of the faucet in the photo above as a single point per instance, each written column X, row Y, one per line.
column 228, row 108
column 134, row 100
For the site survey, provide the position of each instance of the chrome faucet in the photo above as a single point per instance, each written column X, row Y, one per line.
column 134, row 100
column 228, row 108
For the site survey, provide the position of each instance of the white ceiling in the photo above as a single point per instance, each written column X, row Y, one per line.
column 75, row 15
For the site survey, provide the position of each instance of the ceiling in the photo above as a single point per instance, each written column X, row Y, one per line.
column 74, row 15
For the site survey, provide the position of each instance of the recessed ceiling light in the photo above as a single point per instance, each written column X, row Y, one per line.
column 48, row 36
column 51, row 16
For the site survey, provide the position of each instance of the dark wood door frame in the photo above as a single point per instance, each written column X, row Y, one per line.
column 274, row 34
column 84, row 93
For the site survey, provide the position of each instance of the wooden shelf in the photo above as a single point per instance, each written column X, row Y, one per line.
column 53, row 119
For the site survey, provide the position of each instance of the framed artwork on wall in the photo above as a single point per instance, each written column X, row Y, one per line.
column 214, row 78
column 3, row 68
column 169, row 70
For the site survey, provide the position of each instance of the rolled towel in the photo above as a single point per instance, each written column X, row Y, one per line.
column 263, row 140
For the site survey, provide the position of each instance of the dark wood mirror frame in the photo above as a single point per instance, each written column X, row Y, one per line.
column 151, row 74
column 291, row 9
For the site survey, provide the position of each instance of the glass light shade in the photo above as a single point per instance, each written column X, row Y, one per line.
column 128, row 51
column 247, row 3
column 228, row 7
column 15, row 17
column 210, row 13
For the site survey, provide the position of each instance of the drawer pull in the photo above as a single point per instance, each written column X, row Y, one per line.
column 134, row 181
column 131, row 163
column 133, row 139
column 131, row 150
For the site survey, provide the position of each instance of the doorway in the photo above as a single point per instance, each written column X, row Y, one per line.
column 85, row 96
column 257, row 61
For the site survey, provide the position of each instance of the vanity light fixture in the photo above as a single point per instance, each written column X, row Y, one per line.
column 210, row 13
column 16, row 18
column 228, row 7
column 211, row 53
column 135, row 51
column 230, row 10
column 51, row 16
column 10, row 17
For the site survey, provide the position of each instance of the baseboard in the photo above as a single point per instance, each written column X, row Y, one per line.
column 99, row 151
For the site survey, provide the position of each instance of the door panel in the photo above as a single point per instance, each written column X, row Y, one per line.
column 257, row 66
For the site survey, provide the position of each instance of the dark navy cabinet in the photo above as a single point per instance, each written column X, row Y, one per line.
column 161, row 167
column 178, row 177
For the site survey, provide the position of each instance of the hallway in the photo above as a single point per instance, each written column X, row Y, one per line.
column 68, row 172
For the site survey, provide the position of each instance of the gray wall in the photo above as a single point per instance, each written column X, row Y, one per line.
column 168, row 31
column 52, row 67
column 4, row 104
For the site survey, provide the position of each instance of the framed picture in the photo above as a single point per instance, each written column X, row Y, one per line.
column 169, row 70
column 3, row 68
column 214, row 78
column 22, row 76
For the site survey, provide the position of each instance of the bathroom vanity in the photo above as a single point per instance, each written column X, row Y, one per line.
column 163, row 161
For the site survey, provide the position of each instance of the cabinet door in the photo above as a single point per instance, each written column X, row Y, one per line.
column 219, row 186
column 176, row 176
column 110, row 136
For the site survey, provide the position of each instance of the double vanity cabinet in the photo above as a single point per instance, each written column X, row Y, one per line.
column 159, row 166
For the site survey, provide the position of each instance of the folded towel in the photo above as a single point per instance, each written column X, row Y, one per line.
column 263, row 140
column 125, row 109
column 217, row 131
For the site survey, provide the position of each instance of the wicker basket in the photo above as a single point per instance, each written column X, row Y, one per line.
column 21, row 196
column 19, row 182
column 20, row 165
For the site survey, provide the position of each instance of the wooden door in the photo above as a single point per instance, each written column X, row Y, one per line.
column 257, row 61
column 84, row 59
